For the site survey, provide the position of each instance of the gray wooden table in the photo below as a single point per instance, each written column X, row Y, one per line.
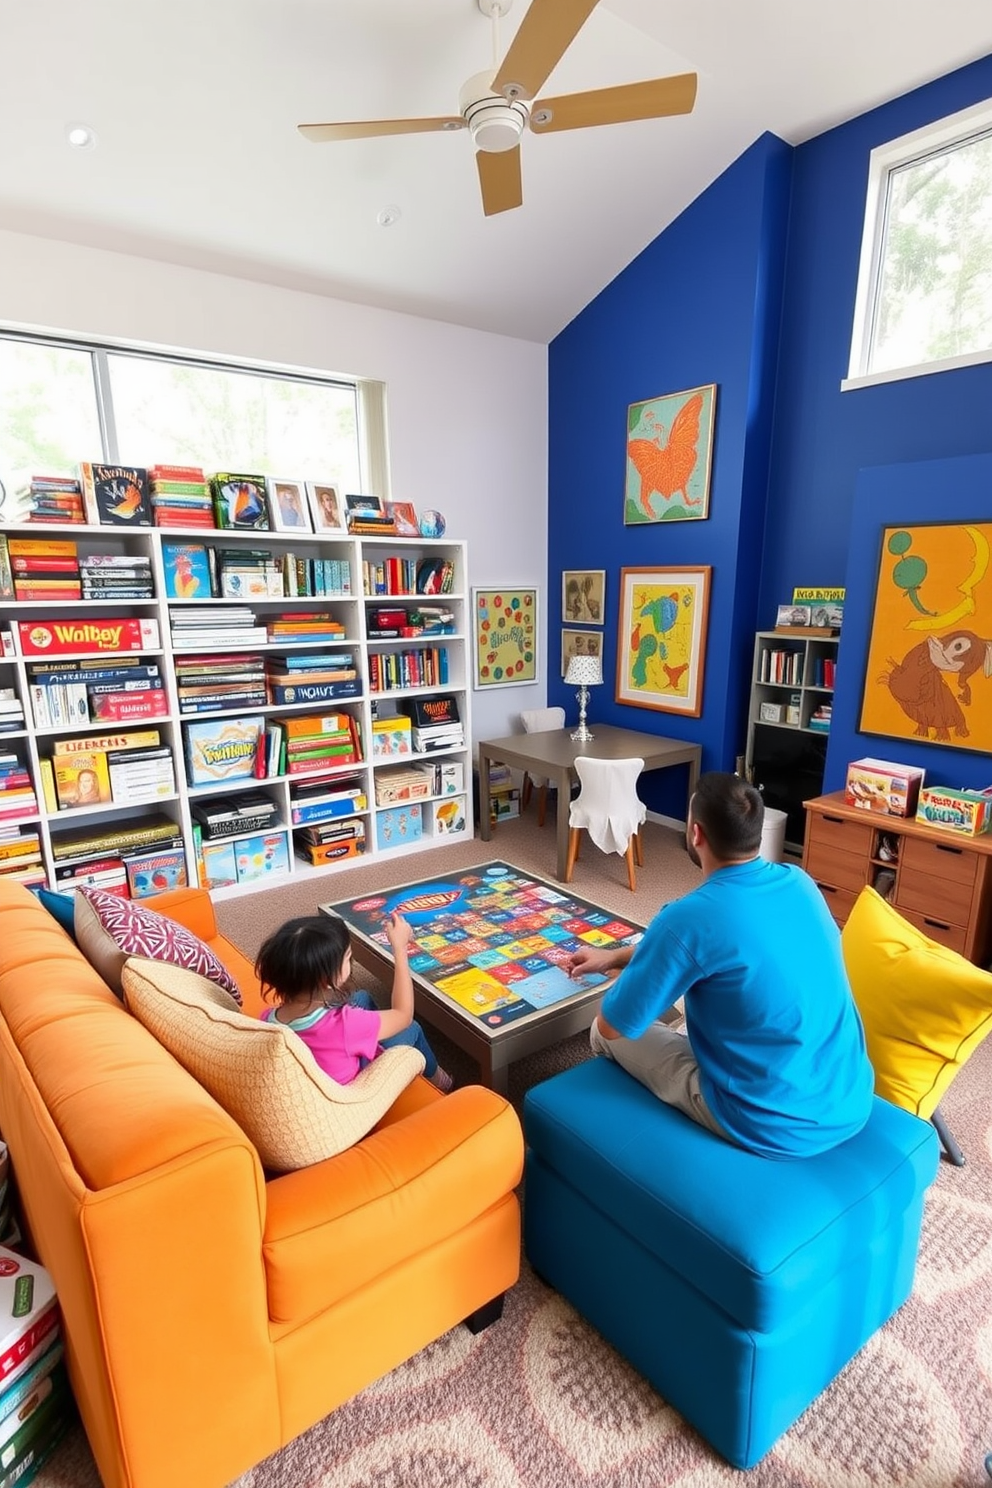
column 553, row 754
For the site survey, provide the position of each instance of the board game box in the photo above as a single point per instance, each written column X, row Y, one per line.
column 29, row 1314
column 494, row 940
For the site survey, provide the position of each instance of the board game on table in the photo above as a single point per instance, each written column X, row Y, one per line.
column 489, row 960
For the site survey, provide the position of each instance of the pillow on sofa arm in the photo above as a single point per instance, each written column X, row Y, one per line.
column 262, row 1073
column 109, row 929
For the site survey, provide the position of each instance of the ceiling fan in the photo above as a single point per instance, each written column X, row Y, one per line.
column 495, row 106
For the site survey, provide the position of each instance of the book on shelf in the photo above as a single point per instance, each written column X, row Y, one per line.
column 78, row 842
column 239, row 501
column 115, row 495
column 141, row 775
column 313, row 692
column 81, row 779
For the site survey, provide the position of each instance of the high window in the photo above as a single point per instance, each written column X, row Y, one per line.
column 62, row 402
column 924, row 300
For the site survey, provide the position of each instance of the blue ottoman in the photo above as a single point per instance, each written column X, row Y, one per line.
column 737, row 1285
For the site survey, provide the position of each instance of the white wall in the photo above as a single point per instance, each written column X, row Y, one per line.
column 467, row 410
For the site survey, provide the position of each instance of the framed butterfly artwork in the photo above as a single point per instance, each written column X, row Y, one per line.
column 669, row 457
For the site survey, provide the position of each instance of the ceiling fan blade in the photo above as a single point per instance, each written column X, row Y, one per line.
column 499, row 177
column 371, row 128
column 651, row 100
column 545, row 32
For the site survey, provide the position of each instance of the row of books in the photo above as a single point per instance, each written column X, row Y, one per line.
column 49, row 498
column 17, row 793
column 36, row 1404
column 20, row 854
column 11, row 711
column 423, row 666
column 400, row 576
column 237, row 627
column 128, row 769
column 130, row 859
column 781, row 666
column 243, row 748
column 93, row 691
column 195, row 571
column 53, row 569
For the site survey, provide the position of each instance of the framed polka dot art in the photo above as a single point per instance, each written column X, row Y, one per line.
column 504, row 637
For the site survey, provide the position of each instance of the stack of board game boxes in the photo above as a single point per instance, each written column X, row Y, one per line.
column 36, row 1403
column 436, row 722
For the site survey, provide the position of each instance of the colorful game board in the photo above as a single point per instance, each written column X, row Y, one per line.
column 494, row 940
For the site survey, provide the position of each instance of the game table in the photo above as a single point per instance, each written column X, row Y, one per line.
column 489, row 961
column 553, row 752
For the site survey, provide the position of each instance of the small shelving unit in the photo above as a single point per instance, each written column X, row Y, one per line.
column 792, row 678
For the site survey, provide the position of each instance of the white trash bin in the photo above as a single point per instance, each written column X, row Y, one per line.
column 773, row 835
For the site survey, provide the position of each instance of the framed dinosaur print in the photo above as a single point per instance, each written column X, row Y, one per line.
column 929, row 668
column 669, row 457
column 661, row 644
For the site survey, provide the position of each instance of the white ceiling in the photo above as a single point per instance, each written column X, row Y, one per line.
column 195, row 105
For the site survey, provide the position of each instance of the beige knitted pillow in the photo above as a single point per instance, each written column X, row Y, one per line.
column 263, row 1074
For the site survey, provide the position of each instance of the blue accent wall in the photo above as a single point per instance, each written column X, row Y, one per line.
column 753, row 288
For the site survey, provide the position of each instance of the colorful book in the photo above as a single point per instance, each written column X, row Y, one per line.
column 187, row 570
column 81, row 779
column 116, row 495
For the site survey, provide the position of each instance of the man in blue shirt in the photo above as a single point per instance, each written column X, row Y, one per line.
column 773, row 1055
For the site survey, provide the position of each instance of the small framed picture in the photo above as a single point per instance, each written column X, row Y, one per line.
column 580, row 643
column 326, row 508
column 287, row 505
column 583, row 591
column 404, row 517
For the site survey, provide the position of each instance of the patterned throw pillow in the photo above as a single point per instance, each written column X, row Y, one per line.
column 262, row 1073
column 109, row 929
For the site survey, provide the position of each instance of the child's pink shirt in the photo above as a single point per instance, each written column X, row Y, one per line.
column 342, row 1039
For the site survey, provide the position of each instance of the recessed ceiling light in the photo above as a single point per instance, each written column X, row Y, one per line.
column 81, row 136
column 389, row 215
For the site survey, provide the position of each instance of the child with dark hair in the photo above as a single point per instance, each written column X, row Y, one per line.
column 304, row 967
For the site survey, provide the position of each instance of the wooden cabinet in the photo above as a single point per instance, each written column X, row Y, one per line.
column 939, row 881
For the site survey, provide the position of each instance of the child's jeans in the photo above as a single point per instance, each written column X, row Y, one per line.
column 413, row 1035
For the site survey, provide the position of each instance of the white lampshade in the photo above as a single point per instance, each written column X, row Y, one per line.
column 584, row 671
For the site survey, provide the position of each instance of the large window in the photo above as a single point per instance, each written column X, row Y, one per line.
column 62, row 403
column 925, row 284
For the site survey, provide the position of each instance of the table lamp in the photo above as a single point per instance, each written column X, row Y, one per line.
column 583, row 672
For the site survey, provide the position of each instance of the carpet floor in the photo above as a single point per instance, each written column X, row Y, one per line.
column 540, row 1401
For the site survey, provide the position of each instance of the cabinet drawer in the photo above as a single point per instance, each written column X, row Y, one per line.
column 947, row 861
column 828, row 863
column 838, row 832
column 952, row 936
column 927, row 894
column 840, row 902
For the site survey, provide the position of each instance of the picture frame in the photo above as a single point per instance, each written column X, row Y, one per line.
column 580, row 643
column 288, row 508
column 326, row 508
column 661, row 650
column 583, row 596
column 670, row 457
column 504, row 636
column 404, row 518
column 929, row 653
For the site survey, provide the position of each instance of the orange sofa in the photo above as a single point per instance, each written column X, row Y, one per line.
column 213, row 1313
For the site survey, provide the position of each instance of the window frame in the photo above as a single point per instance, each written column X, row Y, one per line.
column 370, row 395
column 931, row 139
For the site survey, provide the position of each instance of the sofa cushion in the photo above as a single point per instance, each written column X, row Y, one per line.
column 109, row 929
column 61, row 907
column 925, row 1008
column 263, row 1074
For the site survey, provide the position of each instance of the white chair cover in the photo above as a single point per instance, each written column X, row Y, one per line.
column 608, row 806
column 537, row 721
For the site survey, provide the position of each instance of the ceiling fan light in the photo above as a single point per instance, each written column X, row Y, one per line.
column 495, row 123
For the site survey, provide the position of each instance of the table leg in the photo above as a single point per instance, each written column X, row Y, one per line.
column 485, row 823
column 693, row 780
column 564, row 802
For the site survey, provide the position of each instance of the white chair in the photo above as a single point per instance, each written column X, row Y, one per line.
column 609, row 809
column 539, row 721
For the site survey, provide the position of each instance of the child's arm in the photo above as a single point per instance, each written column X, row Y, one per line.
column 400, row 1013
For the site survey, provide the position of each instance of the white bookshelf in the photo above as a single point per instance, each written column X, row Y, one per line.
column 350, row 609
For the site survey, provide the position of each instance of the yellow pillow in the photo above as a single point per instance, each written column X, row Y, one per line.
column 263, row 1074
column 925, row 1008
